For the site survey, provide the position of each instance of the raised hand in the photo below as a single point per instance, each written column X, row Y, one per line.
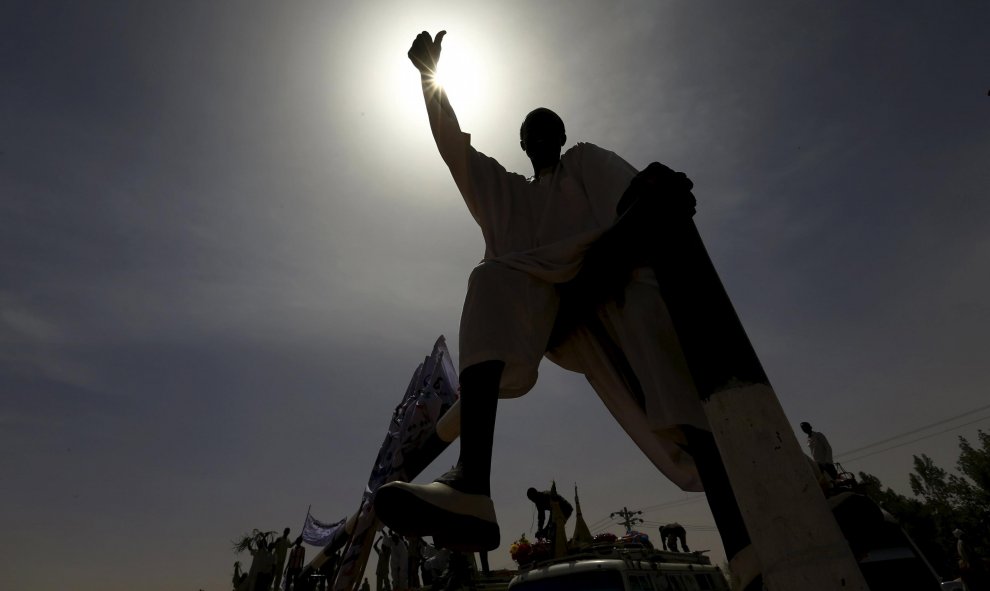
column 425, row 52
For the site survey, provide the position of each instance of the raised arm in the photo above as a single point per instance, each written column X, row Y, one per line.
column 451, row 141
column 425, row 56
column 479, row 178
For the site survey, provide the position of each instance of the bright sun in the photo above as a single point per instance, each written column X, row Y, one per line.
column 460, row 73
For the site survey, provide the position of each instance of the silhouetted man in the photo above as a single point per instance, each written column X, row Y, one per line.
column 669, row 536
column 297, row 558
column 384, row 551
column 266, row 566
column 542, row 500
column 398, row 560
column 821, row 451
column 539, row 234
column 281, row 550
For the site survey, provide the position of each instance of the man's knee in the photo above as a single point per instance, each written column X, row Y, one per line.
column 492, row 273
column 482, row 373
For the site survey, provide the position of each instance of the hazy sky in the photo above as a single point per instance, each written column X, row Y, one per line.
column 226, row 240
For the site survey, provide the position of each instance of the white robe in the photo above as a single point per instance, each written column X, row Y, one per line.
column 536, row 234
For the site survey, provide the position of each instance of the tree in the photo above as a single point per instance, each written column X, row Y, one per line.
column 974, row 494
column 917, row 520
column 971, row 490
column 943, row 502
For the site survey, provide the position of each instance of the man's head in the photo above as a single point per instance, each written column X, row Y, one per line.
column 542, row 136
column 532, row 494
column 806, row 427
column 285, row 533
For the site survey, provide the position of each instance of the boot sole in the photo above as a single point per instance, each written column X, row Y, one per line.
column 402, row 510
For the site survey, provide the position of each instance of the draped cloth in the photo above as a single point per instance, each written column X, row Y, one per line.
column 536, row 234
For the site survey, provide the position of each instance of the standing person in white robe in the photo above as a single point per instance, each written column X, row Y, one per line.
column 398, row 560
column 821, row 451
column 537, row 232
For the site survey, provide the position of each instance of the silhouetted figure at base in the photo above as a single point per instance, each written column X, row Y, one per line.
column 239, row 580
column 458, row 573
column 257, row 548
column 328, row 571
column 414, row 545
column 545, row 527
column 266, row 566
column 297, row 560
column 384, row 551
column 398, row 560
column 566, row 276
column 821, row 451
column 972, row 569
column 281, row 551
column 670, row 534
column 435, row 565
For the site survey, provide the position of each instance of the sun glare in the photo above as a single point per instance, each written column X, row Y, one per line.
column 460, row 74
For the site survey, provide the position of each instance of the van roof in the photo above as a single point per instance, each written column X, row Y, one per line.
column 621, row 559
column 632, row 552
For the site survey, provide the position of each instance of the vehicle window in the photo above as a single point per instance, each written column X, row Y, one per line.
column 602, row 580
column 686, row 582
column 640, row 583
column 705, row 582
column 670, row 582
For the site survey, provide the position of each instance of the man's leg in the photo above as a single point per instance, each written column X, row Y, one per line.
column 456, row 509
column 479, row 405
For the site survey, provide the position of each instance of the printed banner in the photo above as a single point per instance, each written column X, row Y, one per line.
column 432, row 390
column 317, row 533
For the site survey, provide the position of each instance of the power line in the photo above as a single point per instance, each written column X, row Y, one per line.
column 873, row 453
column 605, row 522
column 601, row 523
column 629, row 518
column 675, row 503
column 916, row 430
column 685, row 526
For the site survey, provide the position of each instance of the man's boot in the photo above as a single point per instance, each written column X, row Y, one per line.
column 456, row 510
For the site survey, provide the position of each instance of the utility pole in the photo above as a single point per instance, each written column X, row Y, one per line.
column 629, row 518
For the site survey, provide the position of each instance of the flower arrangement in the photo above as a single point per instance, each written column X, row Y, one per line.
column 604, row 538
column 521, row 550
column 525, row 552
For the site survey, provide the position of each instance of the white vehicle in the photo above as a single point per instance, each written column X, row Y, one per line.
column 623, row 569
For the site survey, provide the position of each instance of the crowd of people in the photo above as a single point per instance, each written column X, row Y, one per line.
column 411, row 563
column 403, row 563
column 271, row 560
